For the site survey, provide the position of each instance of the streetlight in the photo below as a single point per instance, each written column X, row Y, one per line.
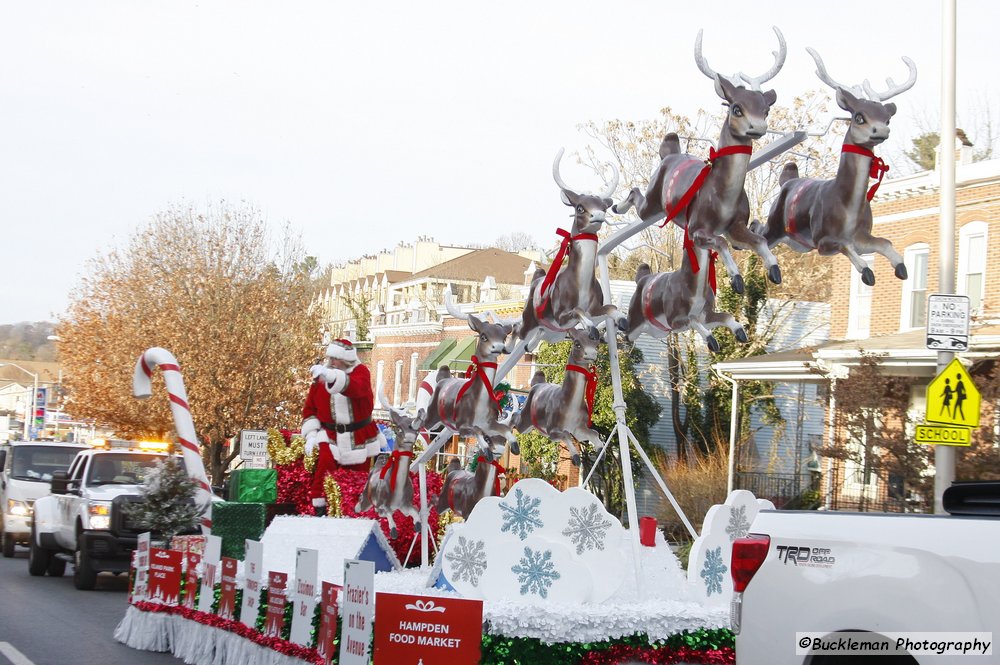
column 29, row 406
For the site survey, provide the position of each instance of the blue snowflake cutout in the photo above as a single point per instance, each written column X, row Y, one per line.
column 713, row 570
column 738, row 526
column 536, row 572
column 468, row 560
column 523, row 518
column 587, row 528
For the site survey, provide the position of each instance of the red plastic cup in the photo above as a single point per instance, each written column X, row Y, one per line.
column 647, row 531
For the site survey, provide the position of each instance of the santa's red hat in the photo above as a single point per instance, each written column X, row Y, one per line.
column 342, row 349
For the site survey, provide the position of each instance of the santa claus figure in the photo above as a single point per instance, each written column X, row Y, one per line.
column 337, row 417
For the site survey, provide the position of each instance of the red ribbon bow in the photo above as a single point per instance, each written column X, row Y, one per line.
column 699, row 179
column 392, row 465
column 878, row 167
column 496, row 478
column 550, row 276
column 590, row 391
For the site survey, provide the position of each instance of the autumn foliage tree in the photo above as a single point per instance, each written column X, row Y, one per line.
column 212, row 289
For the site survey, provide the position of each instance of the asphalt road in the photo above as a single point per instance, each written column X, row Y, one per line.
column 46, row 621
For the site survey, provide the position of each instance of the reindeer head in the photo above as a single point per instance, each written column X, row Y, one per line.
column 492, row 335
column 585, row 342
column 589, row 209
column 748, row 109
column 869, row 117
column 408, row 427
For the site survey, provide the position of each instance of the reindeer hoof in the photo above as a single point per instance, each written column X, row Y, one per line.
column 515, row 447
column 737, row 283
column 756, row 227
column 622, row 324
column 713, row 344
column 741, row 335
column 774, row 274
column 393, row 533
column 576, row 459
column 901, row 271
column 868, row 277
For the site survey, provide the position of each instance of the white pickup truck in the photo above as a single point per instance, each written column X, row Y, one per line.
column 827, row 572
column 82, row 520
column 26, row 468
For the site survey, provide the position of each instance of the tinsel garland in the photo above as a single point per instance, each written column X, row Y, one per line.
column 706, row 646
column 334, row 500
column 274, row 643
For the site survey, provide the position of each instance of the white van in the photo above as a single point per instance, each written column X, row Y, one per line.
column 27, row 469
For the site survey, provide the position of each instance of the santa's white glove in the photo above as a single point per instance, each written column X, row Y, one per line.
column 310, row 444
column 317, row 371
column 336, row 380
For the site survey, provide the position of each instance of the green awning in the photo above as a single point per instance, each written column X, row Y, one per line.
column 459, row 357
column 434, row 359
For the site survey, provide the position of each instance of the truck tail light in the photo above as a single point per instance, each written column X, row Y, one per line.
column 748, row 554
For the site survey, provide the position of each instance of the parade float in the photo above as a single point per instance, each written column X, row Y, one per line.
column 537, row 575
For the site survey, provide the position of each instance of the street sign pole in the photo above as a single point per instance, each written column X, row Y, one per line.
column 944, row 456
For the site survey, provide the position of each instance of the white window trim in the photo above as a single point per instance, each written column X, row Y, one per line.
column 971, row 229
column 908, row 260
column 853, row 332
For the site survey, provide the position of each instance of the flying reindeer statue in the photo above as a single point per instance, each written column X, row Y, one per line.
column 469, row 406
column 671, row 302
column 572, row 285
column 389, row 487
column 463, row 489
column 562, row 412
column 708, row 199
column 835, row 216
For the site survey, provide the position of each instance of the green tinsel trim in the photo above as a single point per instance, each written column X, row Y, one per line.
column 502, row 650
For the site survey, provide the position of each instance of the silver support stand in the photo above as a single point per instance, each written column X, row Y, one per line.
column 421, row 464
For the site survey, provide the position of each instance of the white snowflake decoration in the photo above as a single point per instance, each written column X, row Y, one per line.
column 739, row 526
column 535, row 572
column 523, row 518
column 586, row 528
column 468, row 560
column 713, row 570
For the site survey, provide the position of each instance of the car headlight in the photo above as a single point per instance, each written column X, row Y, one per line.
column 100, row 514
column 17, row 508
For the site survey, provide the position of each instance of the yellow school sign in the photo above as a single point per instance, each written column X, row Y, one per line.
column 952, row 397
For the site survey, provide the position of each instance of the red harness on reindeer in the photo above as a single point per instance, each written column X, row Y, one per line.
column 544, row 288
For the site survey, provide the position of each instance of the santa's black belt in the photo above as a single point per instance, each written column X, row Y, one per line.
column 350, row 427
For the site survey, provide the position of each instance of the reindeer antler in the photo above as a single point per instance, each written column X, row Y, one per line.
column 825, row 77
column 606, row 194
column 893, row 89
column 702, row 63
column 450, row 306
column 779, row 61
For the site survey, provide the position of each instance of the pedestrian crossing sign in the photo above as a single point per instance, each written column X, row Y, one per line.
column 952, row 397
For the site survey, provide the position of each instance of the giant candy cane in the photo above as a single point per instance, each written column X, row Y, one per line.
column 142, row 389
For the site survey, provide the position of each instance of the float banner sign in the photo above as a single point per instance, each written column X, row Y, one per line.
column 251, row 574
column 306, row 574
column 410, row 629
column 210, row 574
column 191, row 579
column 227, row 596
column 327, row 621
column 274, row 621
column 358, row 612
column 164, row 576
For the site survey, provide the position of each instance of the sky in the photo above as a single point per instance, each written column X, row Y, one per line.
column 366, row 124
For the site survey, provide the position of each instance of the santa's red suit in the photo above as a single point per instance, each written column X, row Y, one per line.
column 337, row 418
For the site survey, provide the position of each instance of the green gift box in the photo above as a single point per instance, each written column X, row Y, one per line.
column 254, row 486
column 235, row 522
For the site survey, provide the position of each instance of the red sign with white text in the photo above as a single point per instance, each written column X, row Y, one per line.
column 327, row 621
column 274, row 620
column 191, row 579
column 227, row 592
column 439, row 631
column 164, row 576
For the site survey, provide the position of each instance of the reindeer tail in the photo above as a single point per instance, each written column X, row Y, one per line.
column 539, row 377
column 790, row 172
column 642, row 272
column 671, row 145
column 444, row 372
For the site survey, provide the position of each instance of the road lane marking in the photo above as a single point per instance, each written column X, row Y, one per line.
column 13, row 655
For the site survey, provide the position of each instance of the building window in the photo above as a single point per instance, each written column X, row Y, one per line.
column 859, row 317
column 913, row 313
column 972, row 262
